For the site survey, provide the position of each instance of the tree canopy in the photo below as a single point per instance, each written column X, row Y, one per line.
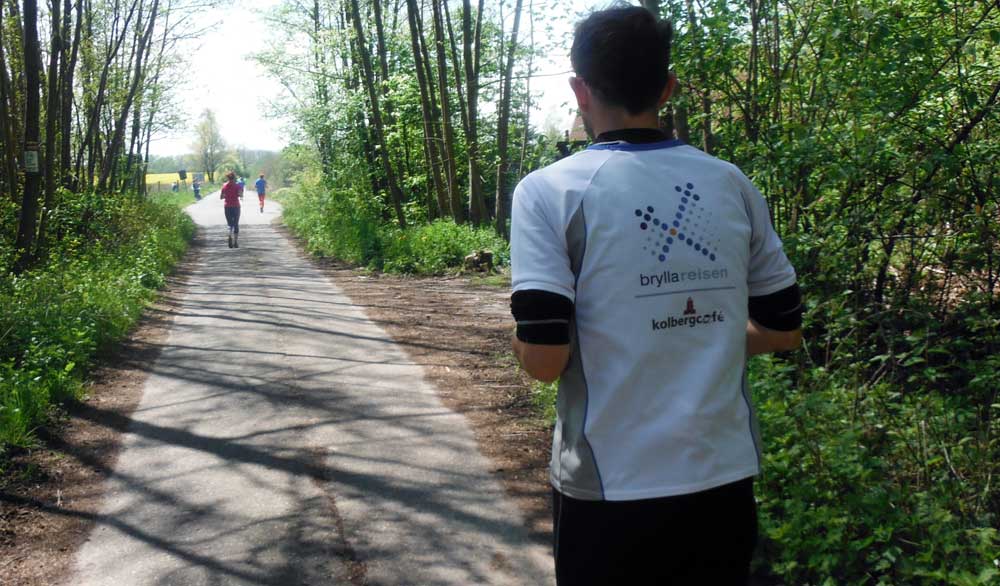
column 209, row 146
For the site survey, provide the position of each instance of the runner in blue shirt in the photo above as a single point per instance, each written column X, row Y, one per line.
column 261, row 187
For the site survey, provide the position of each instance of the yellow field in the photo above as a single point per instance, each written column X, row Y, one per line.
column 161, row 182
column 167, row 178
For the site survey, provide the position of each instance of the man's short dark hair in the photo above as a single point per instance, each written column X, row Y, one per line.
column 623, row 54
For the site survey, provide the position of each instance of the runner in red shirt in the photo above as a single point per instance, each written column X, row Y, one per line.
column 232, row 193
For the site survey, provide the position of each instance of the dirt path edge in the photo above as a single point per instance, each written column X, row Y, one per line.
column 50, row 495
column 475, row 375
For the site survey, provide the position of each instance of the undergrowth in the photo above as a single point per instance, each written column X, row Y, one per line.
column 343, row 225
column 872, row 484
column 867, row 485
column 881, row 443
column 106, row 258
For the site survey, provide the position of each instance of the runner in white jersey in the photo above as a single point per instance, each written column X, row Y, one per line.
column 645, row 272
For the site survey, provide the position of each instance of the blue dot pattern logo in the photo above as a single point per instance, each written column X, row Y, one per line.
column 687, row 225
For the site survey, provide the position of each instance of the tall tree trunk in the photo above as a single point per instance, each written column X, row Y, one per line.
column 455, row 194
column 90, row 145
column 361, row 129
column 32, row 179
column 526, row 130
column 130, row 180
column 153, row 108
column 118, row 138
column 477, row 204
column 88, row 99
column 383, row 61
column 430, row 148
column 457, row 69
column 680, row 119
column 52, row 107
column 373, row 96
column 503, row 127
column 51, row 161
column 325, row 139
column 66, row 77
column 437, row 133
column 707, row 139
column 7, row 115
column 383, row 57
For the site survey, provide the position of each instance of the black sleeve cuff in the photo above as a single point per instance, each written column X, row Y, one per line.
column 542, row 317
column 780, row 311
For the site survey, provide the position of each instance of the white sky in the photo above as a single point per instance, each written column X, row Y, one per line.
column 223, row 76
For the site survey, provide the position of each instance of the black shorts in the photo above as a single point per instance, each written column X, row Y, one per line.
column 233, row 218
column 700, row 539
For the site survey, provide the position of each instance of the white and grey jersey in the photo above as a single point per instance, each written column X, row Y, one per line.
column 659, row 246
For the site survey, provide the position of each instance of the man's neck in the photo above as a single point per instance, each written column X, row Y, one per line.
column 633, row 135
column 607, row 120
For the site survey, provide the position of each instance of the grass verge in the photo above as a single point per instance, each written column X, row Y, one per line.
column 346, row 226
column 181, row 199
column 112, row 254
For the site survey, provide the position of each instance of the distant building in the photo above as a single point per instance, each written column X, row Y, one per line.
column 573, row 140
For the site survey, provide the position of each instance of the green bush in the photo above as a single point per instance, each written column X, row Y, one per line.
column 113, row 253
column 864, row 484
column 432, row 249
column 334, row 223
column 344, row 225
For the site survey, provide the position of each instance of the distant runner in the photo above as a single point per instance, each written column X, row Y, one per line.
column 242, row 184
column 261, row 186
column 196, row 186
column 232, row 194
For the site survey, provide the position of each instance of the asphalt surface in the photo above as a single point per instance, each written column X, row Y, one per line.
column 284, row 438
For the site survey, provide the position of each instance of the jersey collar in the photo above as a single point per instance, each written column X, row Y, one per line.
column 634, row 139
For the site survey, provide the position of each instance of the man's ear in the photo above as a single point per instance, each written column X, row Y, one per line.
column 668, row 90
column 582, row 92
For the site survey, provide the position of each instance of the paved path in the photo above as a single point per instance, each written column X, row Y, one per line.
column 282, row 434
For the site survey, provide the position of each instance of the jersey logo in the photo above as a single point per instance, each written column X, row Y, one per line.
column 689, row 319
column 688, row 226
